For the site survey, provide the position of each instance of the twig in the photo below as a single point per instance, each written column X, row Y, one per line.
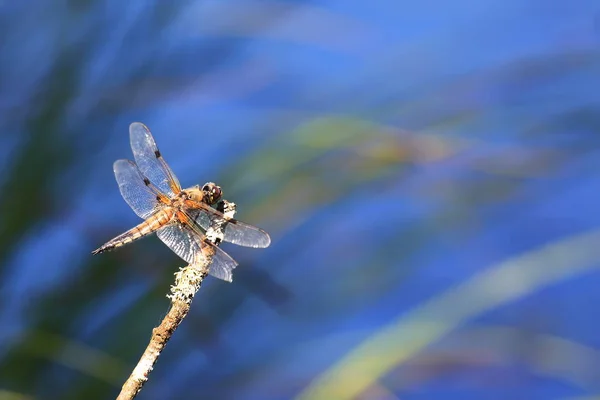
column 187, row 282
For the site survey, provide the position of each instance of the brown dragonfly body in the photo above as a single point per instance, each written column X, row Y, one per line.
column 174, row 211
column 178, row 216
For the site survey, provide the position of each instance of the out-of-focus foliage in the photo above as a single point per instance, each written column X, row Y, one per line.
column 427, row 172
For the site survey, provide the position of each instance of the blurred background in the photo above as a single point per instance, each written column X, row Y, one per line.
column 428, row 172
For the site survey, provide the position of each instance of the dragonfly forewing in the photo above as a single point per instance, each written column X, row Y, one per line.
column 150, row 161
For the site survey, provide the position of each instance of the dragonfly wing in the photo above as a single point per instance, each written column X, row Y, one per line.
column 180, row 241
column 192, row 249
column 151, row 163
column 222, row 264
column 234, row 231
column 136, row 193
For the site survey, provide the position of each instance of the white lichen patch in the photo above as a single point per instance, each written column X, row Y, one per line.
column 187, row 282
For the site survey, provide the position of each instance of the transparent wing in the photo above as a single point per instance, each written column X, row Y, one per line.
column 234, row 231
column 134, row 190
column 190, row 247
column 151, row 163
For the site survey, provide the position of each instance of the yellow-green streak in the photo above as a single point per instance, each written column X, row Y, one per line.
column 8, row 395
column 414, row 330
column 78, row 356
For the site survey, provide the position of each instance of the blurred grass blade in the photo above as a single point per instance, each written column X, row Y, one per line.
column 497, row 285
column 8, row 395
column 78, row 357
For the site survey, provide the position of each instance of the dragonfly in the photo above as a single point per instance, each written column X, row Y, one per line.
column 180, row 217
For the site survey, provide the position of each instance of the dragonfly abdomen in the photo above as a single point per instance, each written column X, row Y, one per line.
column 147, row 227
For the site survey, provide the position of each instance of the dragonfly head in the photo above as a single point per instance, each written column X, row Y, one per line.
column 212, row 193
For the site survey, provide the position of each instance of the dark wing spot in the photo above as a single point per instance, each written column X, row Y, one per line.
column 146, row 181
column 157, row 154
column 158, row 198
